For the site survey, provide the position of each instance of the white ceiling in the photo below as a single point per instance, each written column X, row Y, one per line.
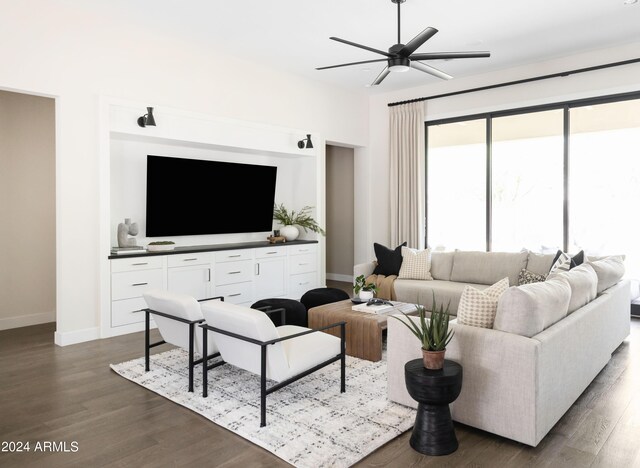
column 294, row 34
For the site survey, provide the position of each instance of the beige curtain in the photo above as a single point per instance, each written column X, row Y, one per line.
column 406, row 174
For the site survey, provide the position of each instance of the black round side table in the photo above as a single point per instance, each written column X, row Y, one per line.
column 433, row 432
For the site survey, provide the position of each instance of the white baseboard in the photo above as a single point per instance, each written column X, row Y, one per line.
column 339, row 277
column 27, row 320
column 76, row 336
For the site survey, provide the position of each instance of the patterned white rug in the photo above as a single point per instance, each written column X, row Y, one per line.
column 309, row 423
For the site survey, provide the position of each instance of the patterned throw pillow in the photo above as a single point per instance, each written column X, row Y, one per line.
column 562, row 263
column 529, row 277
column 478, row 308
column 416, row 264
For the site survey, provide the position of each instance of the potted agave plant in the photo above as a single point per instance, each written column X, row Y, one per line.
column 433, row 332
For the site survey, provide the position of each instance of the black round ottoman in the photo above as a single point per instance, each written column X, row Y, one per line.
column 295, row 312
column 321, row 296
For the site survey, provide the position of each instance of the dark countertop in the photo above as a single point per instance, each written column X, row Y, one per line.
column 211, row 248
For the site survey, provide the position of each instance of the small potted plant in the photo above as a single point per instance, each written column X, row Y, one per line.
column 291, row 219
column 364, row 290
column 433, row 332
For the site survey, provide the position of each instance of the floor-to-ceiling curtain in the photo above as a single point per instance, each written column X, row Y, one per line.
column 406, row 174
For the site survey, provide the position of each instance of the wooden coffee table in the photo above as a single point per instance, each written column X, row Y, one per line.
column 364, row 330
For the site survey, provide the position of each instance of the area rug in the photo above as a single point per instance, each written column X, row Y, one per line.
column 309, row 423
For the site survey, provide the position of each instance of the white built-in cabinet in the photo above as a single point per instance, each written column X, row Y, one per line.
column 240, row 275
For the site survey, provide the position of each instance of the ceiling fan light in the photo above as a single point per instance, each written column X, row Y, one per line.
column 399, row 68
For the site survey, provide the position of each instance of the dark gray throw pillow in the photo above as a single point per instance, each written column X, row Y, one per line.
column 389, row 261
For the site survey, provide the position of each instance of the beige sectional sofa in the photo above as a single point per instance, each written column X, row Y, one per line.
column 515, row 386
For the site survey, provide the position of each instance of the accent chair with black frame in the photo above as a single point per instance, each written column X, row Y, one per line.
column 177, row 316
column 248, row 339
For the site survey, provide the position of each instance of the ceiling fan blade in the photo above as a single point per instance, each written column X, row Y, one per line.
column 383, row 74
column 430, row 70
column 370, row 49
column 449, row 55
column 352, row 63
column 417, row 41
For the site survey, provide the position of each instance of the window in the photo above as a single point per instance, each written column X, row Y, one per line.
column 604, row 182
column 527, row 181
column 561, row 176
column 456, row 195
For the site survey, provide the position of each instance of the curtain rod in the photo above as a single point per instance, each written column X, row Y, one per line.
column 526, row 80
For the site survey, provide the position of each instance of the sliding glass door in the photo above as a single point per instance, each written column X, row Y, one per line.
column 527, row 188
column 456, row 190
column 604, row 182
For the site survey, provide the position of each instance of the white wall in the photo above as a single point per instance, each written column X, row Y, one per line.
column 590, row 84
column 62, row 49
column 27, row 210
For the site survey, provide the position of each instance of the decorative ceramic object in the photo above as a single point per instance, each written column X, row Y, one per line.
column 365, row 295
column 433, row 360
column 161, row 246
column 289, row 232
column 125, row 230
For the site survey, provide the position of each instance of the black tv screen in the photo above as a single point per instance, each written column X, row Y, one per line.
column 192, row 197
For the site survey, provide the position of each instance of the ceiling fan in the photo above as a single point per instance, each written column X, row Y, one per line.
column 401, row 57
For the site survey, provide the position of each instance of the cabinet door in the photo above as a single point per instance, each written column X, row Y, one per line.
column 270, row 280
column 194, row 281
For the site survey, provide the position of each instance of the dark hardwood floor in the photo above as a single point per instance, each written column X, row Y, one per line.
column 49, row 393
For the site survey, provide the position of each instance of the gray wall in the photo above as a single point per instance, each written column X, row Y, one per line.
column 340, row 211
column 27, row 210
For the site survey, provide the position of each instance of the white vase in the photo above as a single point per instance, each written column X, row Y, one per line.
column 289, row 232
column 365, row 295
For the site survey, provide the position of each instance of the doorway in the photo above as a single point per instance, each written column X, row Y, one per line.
column 27, row 210
column 340, row 213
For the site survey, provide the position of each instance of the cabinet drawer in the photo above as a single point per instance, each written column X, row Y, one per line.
column 302, row 264
column 132, row 284
column 236, row 293
column 188, row 259
column 300, row 284
column 234, row 272
column 137, row 263
column 234, row 255
column 127, row 311
column 303, row 249
column 270, row 252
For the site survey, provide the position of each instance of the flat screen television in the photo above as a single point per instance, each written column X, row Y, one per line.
column 192, row 197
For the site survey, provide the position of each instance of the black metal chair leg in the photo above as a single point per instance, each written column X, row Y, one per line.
column 342, row 358
column 263, row 387
column 205, row 348
column 191, row 333
column 146, row 341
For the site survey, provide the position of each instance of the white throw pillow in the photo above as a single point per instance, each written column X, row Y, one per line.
column 609, row 270
column 478, row 308
column 416, row 264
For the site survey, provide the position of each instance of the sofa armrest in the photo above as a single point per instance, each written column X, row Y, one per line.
column 363, row 269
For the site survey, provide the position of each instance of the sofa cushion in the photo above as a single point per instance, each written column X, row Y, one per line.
column 609, row 271
column 415, row 264
column 487, row 267
column 583, row 282
column 528, row 277
column 529, row 309
column 478, row 308
column 421, row 292
column 388, row 260
column 441, row 265
column 540, row 264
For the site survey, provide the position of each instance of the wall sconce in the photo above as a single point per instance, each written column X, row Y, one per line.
column 147, row 119
column 301, row 143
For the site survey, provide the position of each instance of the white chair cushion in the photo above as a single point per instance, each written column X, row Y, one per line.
column 178, row 305
column 307, row 351
column 249, row 323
